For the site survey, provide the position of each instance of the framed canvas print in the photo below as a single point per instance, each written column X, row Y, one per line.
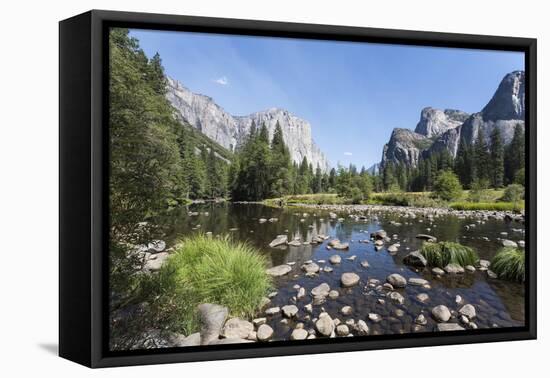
column 234, row 188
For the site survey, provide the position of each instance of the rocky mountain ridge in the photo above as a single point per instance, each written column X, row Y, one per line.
column 229, row 131
column 440, row 130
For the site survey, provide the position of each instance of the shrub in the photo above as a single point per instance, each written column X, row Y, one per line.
column 479, row 192
column 513, row 193
column 206, row 270
column 509, row 264
column 520, row 177
column 443, row 253
column 447, row 186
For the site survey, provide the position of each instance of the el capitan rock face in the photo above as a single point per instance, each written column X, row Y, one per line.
column 440, row 130
column 229, row 131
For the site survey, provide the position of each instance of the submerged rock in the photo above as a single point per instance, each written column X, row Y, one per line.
column 468, row 311
column 441, row 313
column 397, row 280
column 335, row 259
column 279, row 270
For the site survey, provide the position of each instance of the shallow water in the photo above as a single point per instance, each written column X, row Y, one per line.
column 498, row 303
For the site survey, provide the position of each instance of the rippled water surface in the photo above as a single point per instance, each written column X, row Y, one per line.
column 498, row 303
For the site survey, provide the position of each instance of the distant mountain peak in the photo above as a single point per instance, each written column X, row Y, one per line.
column 203, row 113
column 434, row 122
column 508, row 102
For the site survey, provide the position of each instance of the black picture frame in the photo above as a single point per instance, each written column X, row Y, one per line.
column 83, row 167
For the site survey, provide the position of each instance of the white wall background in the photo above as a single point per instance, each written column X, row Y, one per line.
column 29, row 189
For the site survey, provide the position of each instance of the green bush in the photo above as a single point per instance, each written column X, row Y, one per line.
column 479, row 192
column 206, row 270
column 443, row 253
column 447, row 186
column 509, row 264
column 520, row 177
column 513, row 193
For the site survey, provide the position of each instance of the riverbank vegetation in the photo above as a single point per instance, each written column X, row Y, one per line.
column 443, row 253
column 509, row 264
column 207, row 270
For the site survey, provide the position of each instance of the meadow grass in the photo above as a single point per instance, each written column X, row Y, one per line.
column 509, row 264
column 443, row 253
column 208, row 270
column 490, row 206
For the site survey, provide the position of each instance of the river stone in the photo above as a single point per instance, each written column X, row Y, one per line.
column 521, row 243
column 365, row 264
column 379, row 243
column 272, row 310
column 212, row 318
column 396, row 297
column 422, row 297
column 491, row 274
column 325, row 325
column 327, row 269
column 346, row 310
column 320, row 291
column 443, row 327
column 341, row 246
column 441, row 313
column 279, row 240
column 438, row 271
column 415, row 281
column 396, row 280
column 375, row 318
column 310, row 268
column 349, row 279
column 264, row 332
column 426, row 237
column 415, row 258
column 179, row 340
column 509, row 243
column 335, row 259
column 301, row 293
column 279, row 270
column 333, row 294
column 262, row 220
column 290, row 311
column 484, row 264
column 237, row 328
column 380, row 234
column 298, row 334
column 153, row 265
column 453, row 268
column 259, row 321
column 342, row 330
column 361, row 328
column 421, row 320
column 229, row 340
column 156, row 246
column 470, row 268
column 392, row 248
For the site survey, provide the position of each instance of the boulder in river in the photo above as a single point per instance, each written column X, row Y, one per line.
column 361, row 328
column 279, row 270
column 341, row 246
column 342, row 330
column 453, row 268
column 290, row 311
column 298, row 334
column 438, row 271
column 396, row 280
column 468, row 310
column 264, row 332
column 349, row 279
column 392, row 249
column 396, row 297
column 509, row 243
column 441, row 313
column 320, row 291
column 325, row 325
column 346, row 310
column 416, row 281
column 422, row 297
column 212, row 318
column 416, row 259
column 272, row 310
column 443, row 327
column 310, row 268
column 333, row 294
column 279, row 240
column 237, row 328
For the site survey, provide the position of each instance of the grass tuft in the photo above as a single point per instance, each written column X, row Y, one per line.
column 443, row 253
column 489, row 206
column 509, row 264
column 207, row 270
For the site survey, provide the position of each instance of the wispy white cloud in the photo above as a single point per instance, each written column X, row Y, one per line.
column 348, row 153
column 221, row 81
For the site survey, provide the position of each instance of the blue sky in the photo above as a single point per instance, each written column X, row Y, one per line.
column 353, row 94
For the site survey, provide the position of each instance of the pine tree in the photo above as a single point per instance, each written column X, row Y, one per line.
column 481, row 158
column 280, row 163
column 515, row 154
column 497, row 159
